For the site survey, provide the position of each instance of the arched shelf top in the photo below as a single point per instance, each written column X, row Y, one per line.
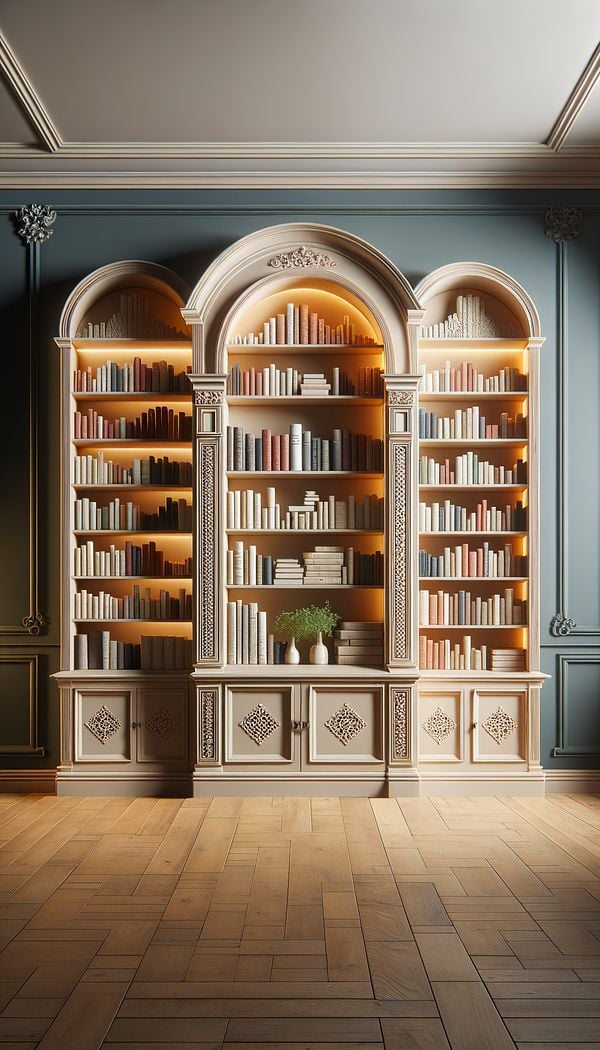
column 508, row 299
column 125, row 276
column 291, row 256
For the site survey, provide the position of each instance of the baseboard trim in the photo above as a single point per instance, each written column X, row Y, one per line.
column 123, row 785
column 28, row 781
column 572, row 781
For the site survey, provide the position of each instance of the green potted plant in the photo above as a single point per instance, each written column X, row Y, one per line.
column 309, row 622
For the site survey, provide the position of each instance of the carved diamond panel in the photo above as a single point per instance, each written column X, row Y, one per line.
column 345, row 724
column 499, row 725
column 162, row 724
column 439, row 725
column 400, row 721
column 259, row 724
column 103, row 724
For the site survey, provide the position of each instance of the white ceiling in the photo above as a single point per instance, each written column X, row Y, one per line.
column 307, row 92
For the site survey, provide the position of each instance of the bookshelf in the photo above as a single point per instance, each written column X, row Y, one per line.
column 127, row 483
column 479, row 690
column 317, row 431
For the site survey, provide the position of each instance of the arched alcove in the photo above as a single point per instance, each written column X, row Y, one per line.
column 291, row 256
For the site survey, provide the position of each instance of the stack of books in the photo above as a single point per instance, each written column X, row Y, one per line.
column 359, row 642
column 314, row 384
column 508, row 660
column 324, row 565
column 288, row 571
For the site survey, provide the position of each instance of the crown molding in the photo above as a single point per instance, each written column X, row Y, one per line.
column 306, row 151
column 27, row 97
column 575, row 102
column 298, row 180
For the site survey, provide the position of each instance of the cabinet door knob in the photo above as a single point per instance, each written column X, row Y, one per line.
column 137, row 725
column 299, row 726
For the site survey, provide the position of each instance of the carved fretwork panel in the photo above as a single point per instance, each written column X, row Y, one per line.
column 400, row 750
column 209, row 593
column 209, row 751
column 399, row 573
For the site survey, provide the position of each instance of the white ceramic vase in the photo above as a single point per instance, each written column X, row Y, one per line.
column 292, row 655
column 319, row 653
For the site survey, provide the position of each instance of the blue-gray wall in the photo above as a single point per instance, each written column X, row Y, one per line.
column 419, row 232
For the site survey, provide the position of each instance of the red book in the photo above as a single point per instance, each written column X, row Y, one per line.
column 472, row 564
column 285, row 452
column 423, row 652
column 252, row 385
column 266, row 450
column 245, row 384
column 429, row 663
column 304, row 323
column 276, row 452
column 313, row 329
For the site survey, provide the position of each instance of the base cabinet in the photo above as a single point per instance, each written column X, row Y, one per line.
column 479, row 731
column 125, row 737
column 305, row 736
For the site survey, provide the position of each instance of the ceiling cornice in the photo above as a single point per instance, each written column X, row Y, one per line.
column 27, row 97
column 575, row 102
column 268, row 180
column 307, row 151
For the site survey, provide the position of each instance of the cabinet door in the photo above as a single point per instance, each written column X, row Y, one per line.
column 346, row 724
column 103, row 729
column 162, row 725
column 499, row 725
column 258, row 725
column 441, row 726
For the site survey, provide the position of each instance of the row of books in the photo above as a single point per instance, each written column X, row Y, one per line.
column 135, row 606
column 358, row 643
column 128, row 560
column 468, row 424
column 137, row 377
column 301, row 326
column 159, row 422
column 467, row 379
column 324, row 565
column 172, row 516
column 272, row 381
column 133, row 320
column 470, row 321
column 462, row 609
column 300, row 451
column 450, row 517
column 445, row 655
column 97, row 651
column 469, row 469
column 479, row 563
column 97, row 470
column 247, row 509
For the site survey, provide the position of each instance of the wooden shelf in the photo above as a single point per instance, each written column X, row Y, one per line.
column 138, row 395
column 473, row 627
column 259, row 349
column 304, row 399
column 472, row 579
column 464, row 395
column 458, row 533
column 518, row 486
column 135, row 619
column 301, row 474
column 133, row 488
column 165, row 579
column 304, row 532
column 475, row 442
column 133, row 345
column 478, row 345
column 305, row 586
column 150, row 443
column 130, row 532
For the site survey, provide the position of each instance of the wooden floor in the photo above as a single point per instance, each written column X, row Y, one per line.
column 323, row 924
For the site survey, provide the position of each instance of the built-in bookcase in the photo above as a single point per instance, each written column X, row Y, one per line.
column 127, row 482
column 317, row 424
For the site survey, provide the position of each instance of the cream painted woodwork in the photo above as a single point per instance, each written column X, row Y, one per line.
column 278, row 729
column 123, row 732
column 483, row 724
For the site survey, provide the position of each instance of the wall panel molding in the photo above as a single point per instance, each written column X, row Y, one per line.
column 33, row 224
column 564, row 661
column 563, row 224
column 30, row 746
